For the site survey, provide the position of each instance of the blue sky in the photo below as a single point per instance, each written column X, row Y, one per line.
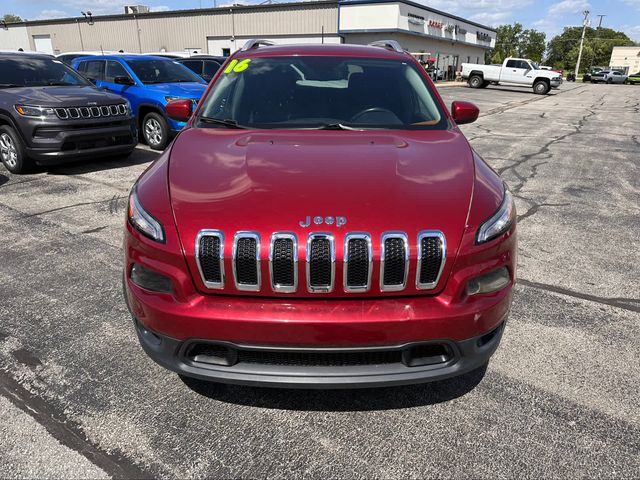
column 546, row 15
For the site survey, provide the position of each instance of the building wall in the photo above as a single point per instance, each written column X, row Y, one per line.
column 177, row 31
column 215, row 45
column 628, row 57
column 14, row 37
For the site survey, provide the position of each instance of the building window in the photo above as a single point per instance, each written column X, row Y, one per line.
column 226, row 52
column 468, row 59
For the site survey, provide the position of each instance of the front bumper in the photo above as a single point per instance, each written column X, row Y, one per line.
column 321, row 367
column 51, row 142
column 556, row 83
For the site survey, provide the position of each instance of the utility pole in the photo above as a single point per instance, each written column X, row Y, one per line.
column 585, row 24
column 600, row 21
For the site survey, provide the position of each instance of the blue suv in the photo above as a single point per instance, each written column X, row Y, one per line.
column 149, row 83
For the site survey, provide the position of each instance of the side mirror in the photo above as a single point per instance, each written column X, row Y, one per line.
column 179, row 110
column 123, row 81
column 464, row 112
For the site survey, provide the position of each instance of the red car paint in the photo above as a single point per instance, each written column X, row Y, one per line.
column 271, row 180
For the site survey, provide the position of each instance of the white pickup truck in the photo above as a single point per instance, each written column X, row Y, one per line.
column 513, row 71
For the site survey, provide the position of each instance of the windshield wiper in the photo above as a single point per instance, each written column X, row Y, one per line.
column 225, row 123
column 10, row 85
column 337, row 126
column 58, row 84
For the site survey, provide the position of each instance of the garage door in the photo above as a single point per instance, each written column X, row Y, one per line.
column 43, row 43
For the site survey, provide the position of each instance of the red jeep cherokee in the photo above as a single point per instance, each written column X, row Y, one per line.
column 320, row 222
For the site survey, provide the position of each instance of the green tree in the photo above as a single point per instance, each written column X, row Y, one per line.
column 598, row 44
column 11, row 18
column 514, row 41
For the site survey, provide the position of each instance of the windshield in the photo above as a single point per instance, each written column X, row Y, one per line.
column 162, row 71
column 317, row 92
column 37, row 72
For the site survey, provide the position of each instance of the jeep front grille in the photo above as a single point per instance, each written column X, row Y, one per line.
column 72, row 113
column 320, row 261
column 246, row 261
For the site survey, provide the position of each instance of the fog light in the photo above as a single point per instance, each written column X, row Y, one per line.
column 489, row 282
column 150, row 280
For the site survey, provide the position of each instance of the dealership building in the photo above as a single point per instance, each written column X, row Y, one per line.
column 446, row 39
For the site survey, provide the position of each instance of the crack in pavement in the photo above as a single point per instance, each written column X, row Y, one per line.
column 112, row 209
column 618, row 302
column 67, row 433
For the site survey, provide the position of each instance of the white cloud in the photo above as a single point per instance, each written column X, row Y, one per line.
column 49, row 14
column 568, row 6
column 160, row 8
column 632, row 31
column 491, row 12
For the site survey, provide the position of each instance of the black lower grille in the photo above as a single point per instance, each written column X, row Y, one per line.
column 282, row 262
column 209, row 257
column 319, row 359
column 320, row 263
column 394, row 261
column 245, row 261
column 358, row 265
column 430, row 259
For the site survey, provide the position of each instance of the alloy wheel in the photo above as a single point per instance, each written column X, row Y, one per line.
column 8, row 151
column 153, row 131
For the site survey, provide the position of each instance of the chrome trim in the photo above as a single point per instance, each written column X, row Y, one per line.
column 332, row 250
column 347, row 238
column 104, row 110
column 122, row 109
column 95, row 111
column 277, row 287
column 383, row 238
column 73, row 112
column 84, row 112
column 62, row 113
column 245, row 286
column 113, row 109
column 220, row 235
column 443, row 248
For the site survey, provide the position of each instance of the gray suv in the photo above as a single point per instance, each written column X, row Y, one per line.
column 51, row 114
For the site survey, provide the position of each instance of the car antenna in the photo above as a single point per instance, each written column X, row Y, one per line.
column 101, row 50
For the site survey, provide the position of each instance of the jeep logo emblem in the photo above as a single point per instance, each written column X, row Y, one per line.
column 318, row 220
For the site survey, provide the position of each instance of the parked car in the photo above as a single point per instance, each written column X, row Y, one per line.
column 634, row 78
column 513, row 71
column 587, row 76
column 69, row 57
column 205, row 66
column 50, row 114
column 322, row 222
column 149, row 83
column 608, row 76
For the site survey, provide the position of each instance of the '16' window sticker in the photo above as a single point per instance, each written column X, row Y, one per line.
column 237, row 67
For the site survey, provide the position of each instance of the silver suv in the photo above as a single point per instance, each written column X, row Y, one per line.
column 608, row 76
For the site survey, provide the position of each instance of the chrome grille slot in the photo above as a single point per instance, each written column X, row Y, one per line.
column 104, row 110
column 431, row 258
column 62, row 113
column 84, row 112
column 122, row 109
column 321, row 262
column 283, row 262
column 113, row 109
column 394, row 261
column 210, row 257
column 246, row 261
column 358, row 262
column 95, row 111
column 73, row 112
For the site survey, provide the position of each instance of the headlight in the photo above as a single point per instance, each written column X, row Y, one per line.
column 500, row 221
column 128, row 105
column 171, row 99
column 29, row 111
column 142, row 220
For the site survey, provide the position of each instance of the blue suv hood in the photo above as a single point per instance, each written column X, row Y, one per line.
column 186, row 90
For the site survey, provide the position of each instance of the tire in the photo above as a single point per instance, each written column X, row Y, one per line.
column 12, row 152
column 155, row 131
column 541, row 87
column 475, row 81
column 609, row 81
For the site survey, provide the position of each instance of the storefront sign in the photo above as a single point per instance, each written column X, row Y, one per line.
column 485, row 37
column 435, row 24
column 415, row 19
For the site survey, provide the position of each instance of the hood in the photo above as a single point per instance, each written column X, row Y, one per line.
column 62, row 96
column 267, row 182
column 186, row 90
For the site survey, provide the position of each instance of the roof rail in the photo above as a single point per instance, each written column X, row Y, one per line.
column 389, row 44
column 255, row 42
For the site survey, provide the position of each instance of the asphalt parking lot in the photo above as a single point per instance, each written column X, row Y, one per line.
column 79, row 398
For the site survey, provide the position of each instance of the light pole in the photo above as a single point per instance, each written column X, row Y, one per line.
column 585, row 24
